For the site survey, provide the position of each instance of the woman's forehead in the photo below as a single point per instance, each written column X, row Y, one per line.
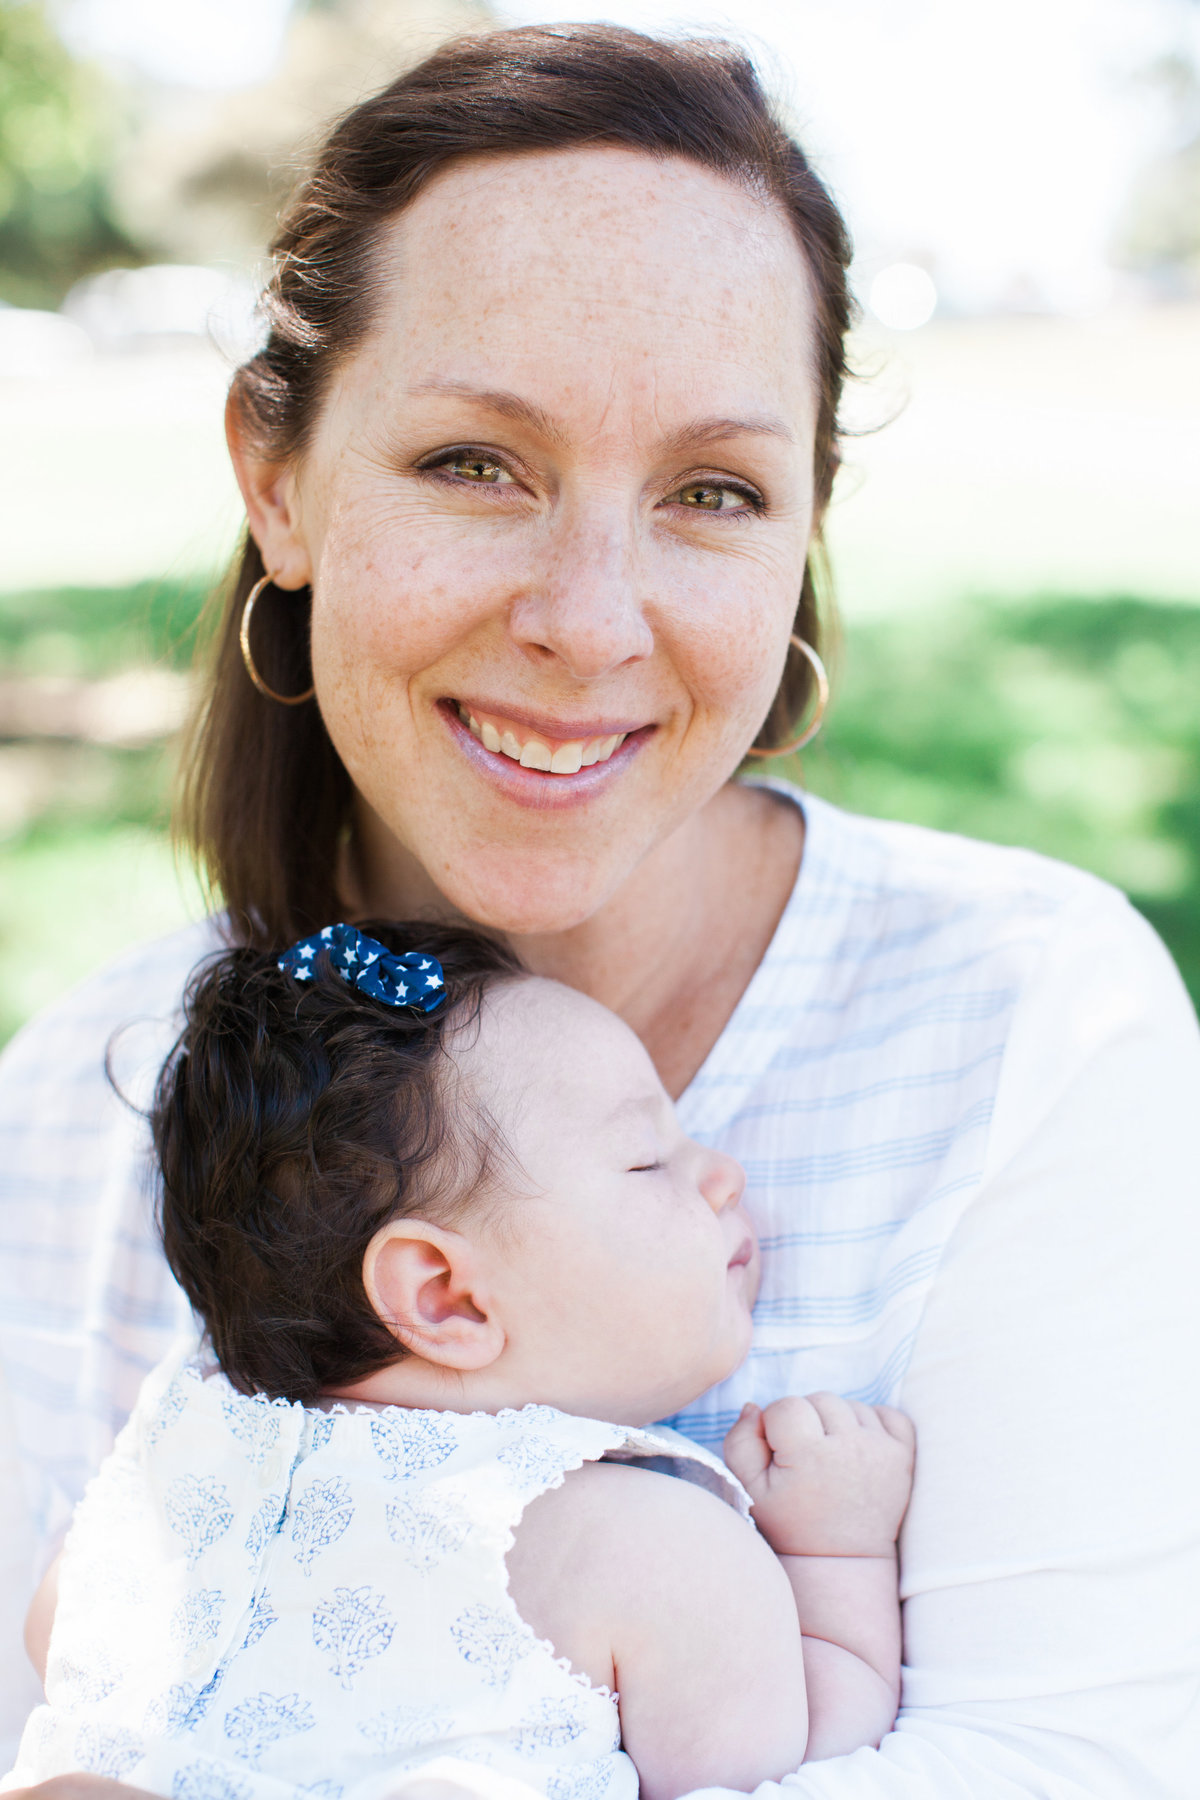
column 596, row 271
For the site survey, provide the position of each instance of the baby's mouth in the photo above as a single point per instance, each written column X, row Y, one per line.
column 532, row 750
column 743, row 1255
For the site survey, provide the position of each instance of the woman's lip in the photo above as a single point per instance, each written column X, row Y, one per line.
column 555, row 731
column 533, row 788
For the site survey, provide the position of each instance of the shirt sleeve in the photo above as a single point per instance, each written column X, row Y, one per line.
column 87, row 1304
column 1051, row 1556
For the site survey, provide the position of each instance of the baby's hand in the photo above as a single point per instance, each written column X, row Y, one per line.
column 828, row 1477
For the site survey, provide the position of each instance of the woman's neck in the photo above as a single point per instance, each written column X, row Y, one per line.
column 673, row 950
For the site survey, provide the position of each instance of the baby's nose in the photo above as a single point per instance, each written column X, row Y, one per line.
column 723, row 1182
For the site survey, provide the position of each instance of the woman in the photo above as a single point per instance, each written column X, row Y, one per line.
column 536, row 460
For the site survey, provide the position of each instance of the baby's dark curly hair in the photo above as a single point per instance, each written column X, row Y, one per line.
column 291, row 1121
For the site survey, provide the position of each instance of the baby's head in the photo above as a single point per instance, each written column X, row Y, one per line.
column 483, row 1205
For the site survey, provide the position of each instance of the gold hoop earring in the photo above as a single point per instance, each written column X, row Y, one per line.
column 248, row 659
column 818, row 719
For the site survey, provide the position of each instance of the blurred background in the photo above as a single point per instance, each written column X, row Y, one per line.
column 1015, row 537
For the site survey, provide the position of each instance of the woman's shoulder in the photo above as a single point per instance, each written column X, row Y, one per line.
column 909, row 896
column 67, row 1042
column 892, row 863
column 897, row 907
column 907, row 956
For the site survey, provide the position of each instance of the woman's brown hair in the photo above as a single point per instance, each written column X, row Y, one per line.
column 266, row 799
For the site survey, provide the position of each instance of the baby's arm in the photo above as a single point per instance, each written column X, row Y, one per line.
column 830, row 1481
column 656, row 1588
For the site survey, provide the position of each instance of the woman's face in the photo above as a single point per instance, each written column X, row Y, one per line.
column 562, row 490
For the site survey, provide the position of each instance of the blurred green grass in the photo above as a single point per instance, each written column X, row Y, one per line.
column 86, row 865
column 1067, row 723
column 95, row 631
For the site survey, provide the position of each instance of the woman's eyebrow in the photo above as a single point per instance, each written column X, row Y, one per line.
column 497, row 400
column 699, row 432
column 692, row 436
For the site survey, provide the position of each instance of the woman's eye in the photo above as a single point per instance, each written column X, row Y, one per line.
column 474, row 465
column 716, row 497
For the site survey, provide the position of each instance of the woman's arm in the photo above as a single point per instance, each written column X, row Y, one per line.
column 1051, row 1556
column 87, row 1304
column 39, row 1620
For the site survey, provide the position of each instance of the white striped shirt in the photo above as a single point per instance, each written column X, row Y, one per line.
column 964, row 1085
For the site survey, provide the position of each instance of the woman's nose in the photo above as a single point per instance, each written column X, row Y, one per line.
column 723, row 1181
column 585, row 607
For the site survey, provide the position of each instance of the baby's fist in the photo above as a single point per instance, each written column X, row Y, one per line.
column 828, row 1477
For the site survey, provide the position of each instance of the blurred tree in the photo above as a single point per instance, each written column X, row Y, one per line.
column 1159, row 234
column 58, row 128
column 206, row 176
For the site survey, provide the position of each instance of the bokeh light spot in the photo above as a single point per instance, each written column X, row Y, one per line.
column 903, row 297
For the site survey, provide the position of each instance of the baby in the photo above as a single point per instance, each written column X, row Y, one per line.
column 453, row 1254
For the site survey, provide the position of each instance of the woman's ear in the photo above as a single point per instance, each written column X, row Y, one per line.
column 272, row 503
column 425, row 1284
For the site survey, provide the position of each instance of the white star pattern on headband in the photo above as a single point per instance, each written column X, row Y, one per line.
column 368, row 965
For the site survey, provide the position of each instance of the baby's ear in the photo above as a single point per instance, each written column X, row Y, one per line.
column 425, row 1284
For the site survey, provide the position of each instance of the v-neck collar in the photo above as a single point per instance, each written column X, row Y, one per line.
column 786, row 980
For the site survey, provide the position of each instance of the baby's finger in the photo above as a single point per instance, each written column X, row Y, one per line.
column 746, row 1450
column 836, row 1415
column 897, row 1424
column 792, row 1421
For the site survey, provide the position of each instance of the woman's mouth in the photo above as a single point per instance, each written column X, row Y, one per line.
column 541, row 763
column 552, row 755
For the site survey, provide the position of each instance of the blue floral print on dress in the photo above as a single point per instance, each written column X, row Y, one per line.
column 548, row 1726
column 168, row 1410
column 426, row 1532
column 533, row 1462
column 173, row 1710
column 341, row 1612
column 319, row 1515
column 262, row 1615
column 409, row 1443
column 112, row 1751
column 266, row 1522
column 590, row 1781
column 351, row 1628
column 407, row 1728
column 254, row 1423
column 493, row 1642
column 199, row 1512
column 261, row 1721
column 196, row 1621
column 204, row 1780
column 84, row 1683
column 320, row 1432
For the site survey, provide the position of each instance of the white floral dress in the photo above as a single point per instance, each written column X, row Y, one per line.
column 259, row 1599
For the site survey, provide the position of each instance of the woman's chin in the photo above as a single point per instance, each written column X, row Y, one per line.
column 523, row 891
column 531, row 901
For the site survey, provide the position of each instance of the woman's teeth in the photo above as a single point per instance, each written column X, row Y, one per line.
column 533, row 752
